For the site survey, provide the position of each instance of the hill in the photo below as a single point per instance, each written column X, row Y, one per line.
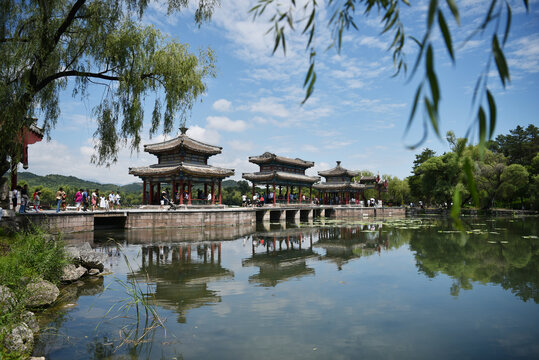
column 54, row 181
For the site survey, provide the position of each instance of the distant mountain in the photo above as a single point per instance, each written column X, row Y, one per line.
column 54, row 181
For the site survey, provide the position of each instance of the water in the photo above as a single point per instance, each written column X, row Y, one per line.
column 401, row 289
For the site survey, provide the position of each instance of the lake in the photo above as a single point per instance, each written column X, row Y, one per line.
column 394, row 289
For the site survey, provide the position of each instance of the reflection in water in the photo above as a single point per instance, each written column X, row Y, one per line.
column 336, row 283
column 181, row 279
column 490, row 255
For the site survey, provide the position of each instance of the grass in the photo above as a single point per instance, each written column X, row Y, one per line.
column 24, row 257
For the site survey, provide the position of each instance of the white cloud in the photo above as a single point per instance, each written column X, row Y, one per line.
column 241, row 145
column 224, row 123
column 270, row 106
column 209, row 136
column 222, row 105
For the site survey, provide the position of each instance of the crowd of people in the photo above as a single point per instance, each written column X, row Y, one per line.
column 83, row 200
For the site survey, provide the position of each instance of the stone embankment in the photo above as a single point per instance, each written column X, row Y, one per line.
column 19, row 338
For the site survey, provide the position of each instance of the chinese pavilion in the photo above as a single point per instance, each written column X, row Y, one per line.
column 181, row 162
column 340, row 187
column 281, row 171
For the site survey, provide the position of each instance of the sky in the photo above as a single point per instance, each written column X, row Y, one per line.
column 357, row 114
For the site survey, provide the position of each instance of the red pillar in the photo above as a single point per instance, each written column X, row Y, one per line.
column 181, row 191
column 159, row 189
column 143, row 192
column 287, row 195
column 274, row 195
column 300, row 194
column 189, row 187
column 220, row 192
column 205, row 191
column 151, row 192
column 212, row 193
column 173, row 191
column 253, row 192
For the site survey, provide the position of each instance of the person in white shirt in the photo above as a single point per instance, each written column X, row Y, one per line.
column 111, row 201
column 117, row 199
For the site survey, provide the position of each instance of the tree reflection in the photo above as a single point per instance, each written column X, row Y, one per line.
column 501, row 257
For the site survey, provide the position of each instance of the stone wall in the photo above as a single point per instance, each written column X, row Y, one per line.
column 63, row 222
column 196, row 218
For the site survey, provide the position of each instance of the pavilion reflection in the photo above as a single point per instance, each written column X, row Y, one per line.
column 181, row 273
column 192, row 234
column 280, row 256
column 343, row 244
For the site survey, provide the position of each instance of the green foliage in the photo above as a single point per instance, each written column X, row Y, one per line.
column 32, row 255
column 520, row 146
column 43, row 44
column 495, row 179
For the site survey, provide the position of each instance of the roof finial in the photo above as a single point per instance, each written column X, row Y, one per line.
column 338, row 163
column 183, row 129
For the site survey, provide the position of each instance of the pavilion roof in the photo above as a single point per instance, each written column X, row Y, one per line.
column 280, row 175
column 185, row 141
column 340, row 186
column 191, row 169
column 338, row 171
column 268, row 157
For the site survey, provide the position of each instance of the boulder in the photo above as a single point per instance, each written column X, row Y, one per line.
column 73, row 273
column 41, row 293
column 19, row 339
column 93, row 259
column 7, row 300
column 30, row 319
column 93, row 272
column 74, row 251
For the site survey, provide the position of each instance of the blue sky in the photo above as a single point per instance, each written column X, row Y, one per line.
column 357, row 114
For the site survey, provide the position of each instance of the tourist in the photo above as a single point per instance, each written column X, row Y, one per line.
column 24, row 199
column 37, row 200
column 59, row 199
column 14, row 197
column 64, row 200
column 111, row 201
column 209, row 198
column 117, row 199
column 164, row 199
column 85, row 200
column 102, row 202
column 78, row 199
column 244, row 200
column 94, row 200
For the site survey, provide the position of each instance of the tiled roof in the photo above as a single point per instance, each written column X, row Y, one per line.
column 191, row 169
column 268, row 157
column 340, row 186
column 183, row 140
column 338, row 171
column 280, row 175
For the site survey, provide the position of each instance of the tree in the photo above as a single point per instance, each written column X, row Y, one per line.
column 44, row 44
column 514, row 180
column 414, row 181
column 520, row 146
column 290, row 15
column 489, row 177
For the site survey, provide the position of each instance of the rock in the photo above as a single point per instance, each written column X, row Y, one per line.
column 74, row 251
column 93, row 272
column 73, row 273
column 36, row 358
column 30, row 319
column 7, row 300
column 93, row 259
column 41, row 293
column 19, row 339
